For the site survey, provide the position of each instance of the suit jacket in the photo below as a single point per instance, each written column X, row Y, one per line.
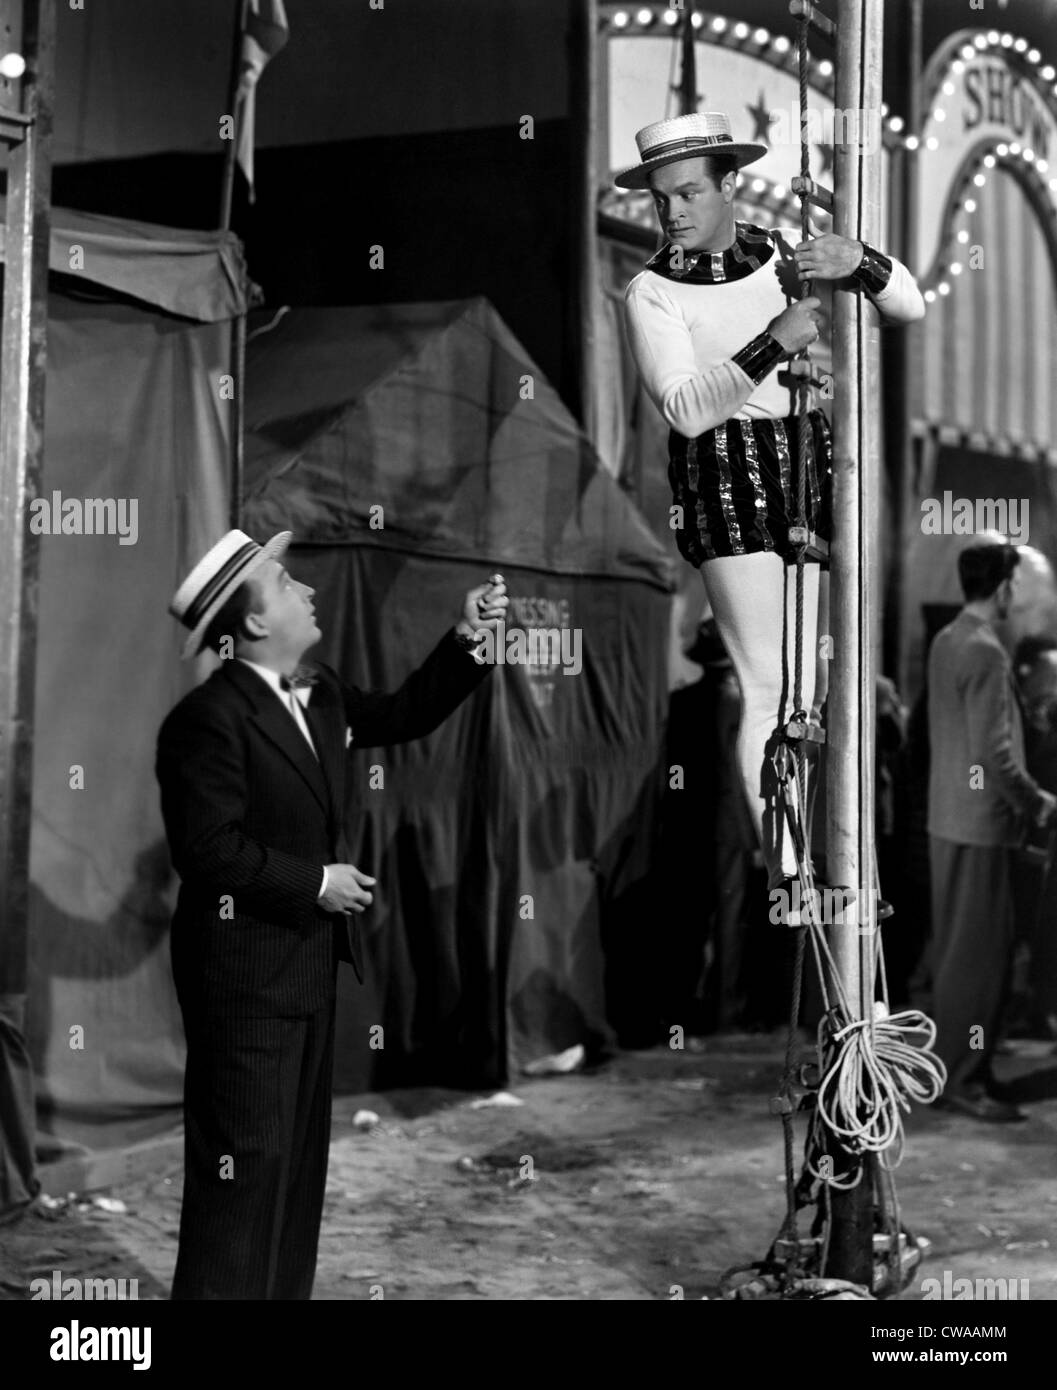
column 975, row 721
column 251, row 818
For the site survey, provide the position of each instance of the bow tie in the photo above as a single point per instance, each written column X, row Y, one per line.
column 302, row 676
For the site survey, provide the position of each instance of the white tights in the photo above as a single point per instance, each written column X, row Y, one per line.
column 746, row 594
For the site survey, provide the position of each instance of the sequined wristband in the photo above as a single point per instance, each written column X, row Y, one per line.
column 759, row 357
column 875, row 271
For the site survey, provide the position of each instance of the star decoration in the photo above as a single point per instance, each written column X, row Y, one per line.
column 762, row 120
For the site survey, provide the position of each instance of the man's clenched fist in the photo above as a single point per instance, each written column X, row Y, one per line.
column 346, row 889
column 484, row 607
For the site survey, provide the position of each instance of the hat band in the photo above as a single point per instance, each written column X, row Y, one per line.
column 223, row 576
column 688, row 142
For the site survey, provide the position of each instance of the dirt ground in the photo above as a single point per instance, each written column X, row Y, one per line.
column 656, row 1169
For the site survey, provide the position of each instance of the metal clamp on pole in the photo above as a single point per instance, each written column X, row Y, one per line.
column 821, row 23
column 814, row 548
column 799, row 729
column 13, row 125
column 817, row 193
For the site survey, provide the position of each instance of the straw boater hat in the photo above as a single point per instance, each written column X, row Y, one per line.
column 685, row 137
column 216, row 577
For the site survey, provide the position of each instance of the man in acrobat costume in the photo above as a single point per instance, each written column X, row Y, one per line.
column 709, row 323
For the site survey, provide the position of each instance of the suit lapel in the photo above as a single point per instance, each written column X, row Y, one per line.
column 326, row 733
column 277, row 725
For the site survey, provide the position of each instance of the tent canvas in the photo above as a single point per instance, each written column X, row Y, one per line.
column 138, row 339
column 413, row 450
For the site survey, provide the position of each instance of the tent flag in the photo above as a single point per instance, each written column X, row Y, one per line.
column 265, row 31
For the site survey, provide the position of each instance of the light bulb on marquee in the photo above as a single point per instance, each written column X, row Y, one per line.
column 1021, row 46
column 1002, row 150
column 979, row 180
column 1034, row 56
column 825, row 67
column 719, row 24
column 963, row 237
column 697, row 21
column 930, row 296
column 948, row 89
column 912, row 142
column 989, row 161
column 932, row 143
column 762, row 36
column 1007, row 40
column 895, row 125
column 758, row 186
column 779, row 191
column 620, row 20
column 970, row 205
column 781, row 43
column 741, row 31
column 1041, row 165
column 670, row 17
column 1029, row 155
column 993, row 36
column 645, row 17
column 939, row 114
column 1014, row 147
column 956, row 267
column 12, row 65
column 1048, row 73
column 943, row 287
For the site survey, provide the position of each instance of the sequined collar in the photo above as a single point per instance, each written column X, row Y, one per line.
column 752, row 248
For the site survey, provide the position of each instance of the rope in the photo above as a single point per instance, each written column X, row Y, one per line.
column 871, row 1082
column 871, row 1069
column 803, row 387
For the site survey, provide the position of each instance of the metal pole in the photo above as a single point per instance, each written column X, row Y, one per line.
column 688, row 75
column 238, row 424
column 898, row 359
column 22, row 365
column 854, row 574
column 227, row 182
column 910, row 342
column 238, row 336
column 583, row 70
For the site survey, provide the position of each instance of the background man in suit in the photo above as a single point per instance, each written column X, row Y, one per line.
column 981, row 803
column 251, row 766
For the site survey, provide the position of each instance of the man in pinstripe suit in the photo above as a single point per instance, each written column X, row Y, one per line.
column 251, row 766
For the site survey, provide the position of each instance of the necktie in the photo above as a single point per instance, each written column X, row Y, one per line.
column 293, row 704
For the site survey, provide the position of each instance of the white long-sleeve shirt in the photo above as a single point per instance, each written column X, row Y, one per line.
column 684, row 335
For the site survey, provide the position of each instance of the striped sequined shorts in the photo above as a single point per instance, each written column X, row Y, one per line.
column 737, row 486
